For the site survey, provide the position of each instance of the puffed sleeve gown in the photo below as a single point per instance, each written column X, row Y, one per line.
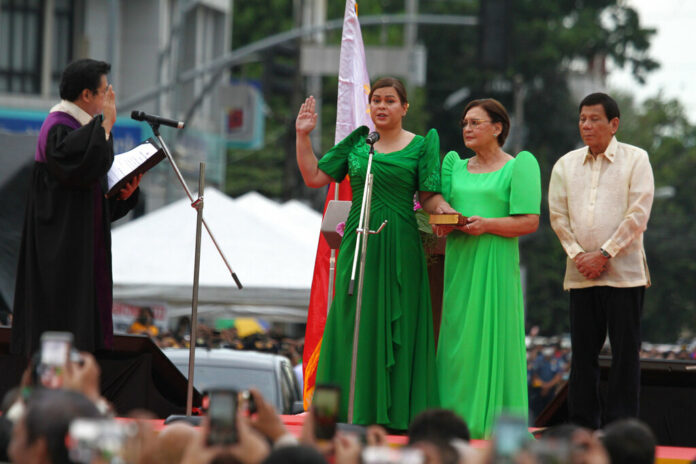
column 396, row 377
column 481, row 357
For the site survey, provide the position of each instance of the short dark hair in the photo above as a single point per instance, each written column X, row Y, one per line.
column 80, row 75
column 390, row 82
column 438, row 425
column 48, row 416
column 496, row 111
column 629, row 441
column 611, row 108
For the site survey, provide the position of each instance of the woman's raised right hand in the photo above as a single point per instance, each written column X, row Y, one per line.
column 306, row 117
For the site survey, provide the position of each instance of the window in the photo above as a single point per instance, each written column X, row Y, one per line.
column 62, row 40
column 21, row 23
column 22, row 29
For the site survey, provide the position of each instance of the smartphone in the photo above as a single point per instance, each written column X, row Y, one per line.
column 55, row 353
column 222, row 417
column 325, row 406
column 101, row 440
column 390, row 455
column 509, row 436
column 251, row 403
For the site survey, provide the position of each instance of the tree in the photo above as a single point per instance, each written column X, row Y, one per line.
column 662, row 128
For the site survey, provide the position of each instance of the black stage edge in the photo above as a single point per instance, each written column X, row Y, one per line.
column 134, row 375
column 667, row 392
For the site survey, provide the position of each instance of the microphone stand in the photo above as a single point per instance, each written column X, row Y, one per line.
column 198, row 206
column 363, row 232
column 155, row 130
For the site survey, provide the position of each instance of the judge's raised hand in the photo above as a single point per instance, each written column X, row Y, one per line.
column 109, row 110
column 306, row 117
column 130, row 187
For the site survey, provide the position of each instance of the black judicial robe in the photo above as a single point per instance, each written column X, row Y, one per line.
column 64, row 279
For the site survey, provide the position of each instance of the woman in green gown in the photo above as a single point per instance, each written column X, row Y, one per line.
column 396, row 354
column 481, row 357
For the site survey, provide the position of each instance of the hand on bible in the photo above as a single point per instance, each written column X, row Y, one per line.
column 130, row 187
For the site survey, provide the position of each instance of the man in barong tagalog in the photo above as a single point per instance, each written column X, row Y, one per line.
column 64, row 280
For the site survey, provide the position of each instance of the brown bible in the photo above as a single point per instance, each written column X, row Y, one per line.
column 447, row 219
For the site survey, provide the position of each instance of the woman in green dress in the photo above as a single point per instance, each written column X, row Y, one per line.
column 396, row 354
column 481, row 357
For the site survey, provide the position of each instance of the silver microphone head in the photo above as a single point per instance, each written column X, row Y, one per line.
column 372, row 138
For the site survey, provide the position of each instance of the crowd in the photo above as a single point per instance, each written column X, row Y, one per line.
column 73, row 423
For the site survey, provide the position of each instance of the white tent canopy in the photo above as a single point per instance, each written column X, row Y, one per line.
column 271, row 247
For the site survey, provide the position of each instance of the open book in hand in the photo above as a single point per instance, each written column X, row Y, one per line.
column 131, row 163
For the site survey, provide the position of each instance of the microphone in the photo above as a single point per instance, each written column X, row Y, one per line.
column 154, row 119
column 372, row 138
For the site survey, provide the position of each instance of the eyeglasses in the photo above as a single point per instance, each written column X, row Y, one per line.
column 474, row 123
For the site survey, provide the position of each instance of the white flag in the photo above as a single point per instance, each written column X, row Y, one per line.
column 352, row 109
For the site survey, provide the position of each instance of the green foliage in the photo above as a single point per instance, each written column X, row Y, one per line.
column 662, row 128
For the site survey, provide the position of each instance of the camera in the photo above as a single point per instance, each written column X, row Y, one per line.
column 102, row 440
column 325, row 406
column 222, row 417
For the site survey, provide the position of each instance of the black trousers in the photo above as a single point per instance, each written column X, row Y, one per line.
column 593, row 312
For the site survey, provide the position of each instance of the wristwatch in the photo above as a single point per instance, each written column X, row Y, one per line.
column 604, row 253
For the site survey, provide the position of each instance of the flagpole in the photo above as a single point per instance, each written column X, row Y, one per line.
column 332, row 265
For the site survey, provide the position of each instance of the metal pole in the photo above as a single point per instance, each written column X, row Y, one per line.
column 358, row 303
column 362, row 233
column 198, row 205
column 361, row 221
column 155, row 130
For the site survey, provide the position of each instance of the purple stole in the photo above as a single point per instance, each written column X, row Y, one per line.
column 57, row 117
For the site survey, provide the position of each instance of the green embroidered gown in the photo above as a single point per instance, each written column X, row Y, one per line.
column 396, row 354
column 481, row 357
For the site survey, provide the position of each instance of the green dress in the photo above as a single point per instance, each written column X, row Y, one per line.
column 481, row 357
column 396, row 353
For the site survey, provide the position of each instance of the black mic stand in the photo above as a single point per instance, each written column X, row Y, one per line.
column 155, row 130
column 363, row 232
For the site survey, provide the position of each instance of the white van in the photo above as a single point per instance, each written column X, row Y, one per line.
column 271, row 374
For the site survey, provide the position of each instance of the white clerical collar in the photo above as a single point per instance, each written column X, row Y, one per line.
column 73, row 110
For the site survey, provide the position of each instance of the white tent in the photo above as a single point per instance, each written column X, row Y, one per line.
column 271, row 247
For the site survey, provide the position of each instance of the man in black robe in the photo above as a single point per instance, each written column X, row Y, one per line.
column 64, row 280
